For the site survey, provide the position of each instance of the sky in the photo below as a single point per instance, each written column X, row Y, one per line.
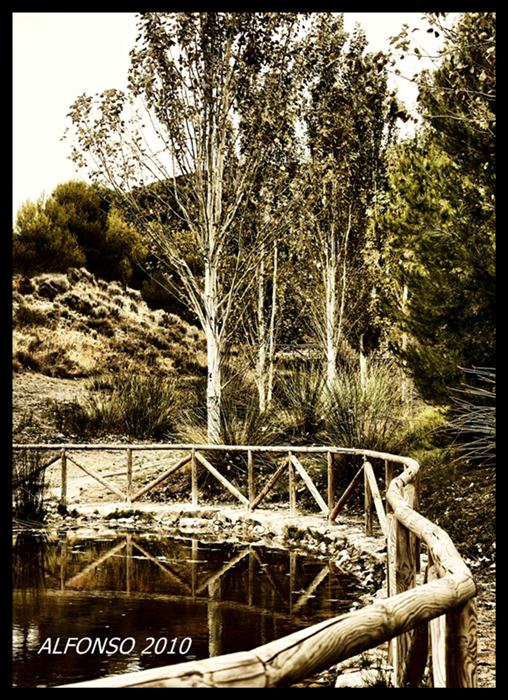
column 58, row 56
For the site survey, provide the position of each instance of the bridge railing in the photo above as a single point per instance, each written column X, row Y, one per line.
column 436, row 619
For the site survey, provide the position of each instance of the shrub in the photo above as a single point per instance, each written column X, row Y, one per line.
column 29, row 485
column 300, row 401
column 140, row 406
column 26, row 315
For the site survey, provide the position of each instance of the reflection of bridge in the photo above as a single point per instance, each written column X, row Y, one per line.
column 192, row 587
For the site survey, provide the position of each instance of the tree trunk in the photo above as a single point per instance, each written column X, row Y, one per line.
column 261, row 363
column 213, row 348
column 331, row 331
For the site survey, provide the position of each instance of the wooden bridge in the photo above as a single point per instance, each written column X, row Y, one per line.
column 437, row 619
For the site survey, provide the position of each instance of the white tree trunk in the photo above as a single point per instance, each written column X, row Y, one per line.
column 213, row 347
column 261, row 361
column 271, row 341
column 331, row 323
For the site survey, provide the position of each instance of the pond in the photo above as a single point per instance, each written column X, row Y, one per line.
column 98, row 606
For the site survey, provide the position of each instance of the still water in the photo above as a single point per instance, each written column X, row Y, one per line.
column 89, row 608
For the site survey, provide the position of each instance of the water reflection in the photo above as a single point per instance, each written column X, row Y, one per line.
column 85, row 608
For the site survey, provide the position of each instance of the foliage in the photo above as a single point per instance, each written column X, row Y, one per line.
column 211, row 86
column 350, row 120
column 368, row 410
column 140, row 406
column 474, row 417
column 42, row 242
column 300, row 402
column 28, row 476
column 437, row 280
column 75, row 227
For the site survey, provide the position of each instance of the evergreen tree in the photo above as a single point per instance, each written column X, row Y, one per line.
column 439, row 262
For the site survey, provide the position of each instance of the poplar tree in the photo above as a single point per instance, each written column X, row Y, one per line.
column 350, row 118
column 208, row 96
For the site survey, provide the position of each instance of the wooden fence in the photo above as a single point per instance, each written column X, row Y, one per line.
column 436, row 619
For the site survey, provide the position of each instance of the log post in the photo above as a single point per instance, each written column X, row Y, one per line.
column 437, row 628
column 331, row 485
column 292, row 485
column 250, row 478
column 194, row 478
column 368, row 503
column 63, row 490
column 461, row 646
column 388, row 481
column 129, row 476
column 407, row 648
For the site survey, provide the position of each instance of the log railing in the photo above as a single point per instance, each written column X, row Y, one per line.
column 435, row 620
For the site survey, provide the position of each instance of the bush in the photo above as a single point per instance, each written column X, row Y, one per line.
column 29, row 485
column 139, row 406
column 301, row 404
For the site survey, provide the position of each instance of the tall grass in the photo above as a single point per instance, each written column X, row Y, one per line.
column 130, row 404
column 369, row 412
column 28, row 478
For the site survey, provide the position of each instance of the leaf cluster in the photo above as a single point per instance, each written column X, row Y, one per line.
column 75, row 227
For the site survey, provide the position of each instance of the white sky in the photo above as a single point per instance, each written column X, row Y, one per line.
column 58, row 56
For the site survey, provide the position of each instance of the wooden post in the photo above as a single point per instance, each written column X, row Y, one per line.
column 129, row 476
column 331, row 485
column 388, row 481
column 404, row 575
column 375, row 496
column 194, row 478
column 368, row 503
column 292, row 486
column 437, row 628
column 461, row 646
column 63, row 490
column 250, row 478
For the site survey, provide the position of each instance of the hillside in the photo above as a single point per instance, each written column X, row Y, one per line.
column 75, row 325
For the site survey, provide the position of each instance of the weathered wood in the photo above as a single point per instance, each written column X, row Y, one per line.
column 310, row 484
column 128, row 493
column 347, row 494
column 292, row 486
column 376, row 496
column 63, row 477
column 367, row 504
column 227, row 484
column 331, row 483
column 98, row 478
column 194, row 479
column 461, row 646
column 250, row 478
column 161, row 478
column 388, row 481
column 437, row 628
column 301, row 654
column 280, row 471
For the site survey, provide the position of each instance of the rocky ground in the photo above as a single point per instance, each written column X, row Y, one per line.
column 89, row 508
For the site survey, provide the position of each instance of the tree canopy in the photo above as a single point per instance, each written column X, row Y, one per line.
column 440, row 223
